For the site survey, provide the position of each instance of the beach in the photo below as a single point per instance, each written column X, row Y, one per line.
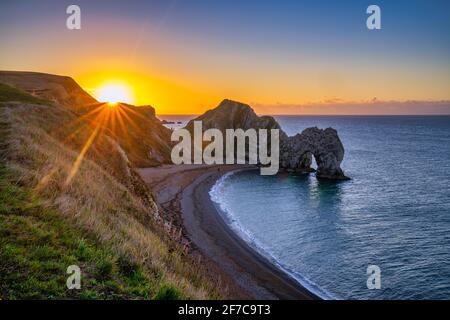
column 182, row 191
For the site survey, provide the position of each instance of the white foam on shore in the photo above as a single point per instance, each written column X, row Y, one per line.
column 215, row 194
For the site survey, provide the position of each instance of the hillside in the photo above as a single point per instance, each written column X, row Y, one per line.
column 59, row 89
column 142, row 136
column 135, row 128
column 69, row 195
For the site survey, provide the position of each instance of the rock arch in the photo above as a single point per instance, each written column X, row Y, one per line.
column 296, row 152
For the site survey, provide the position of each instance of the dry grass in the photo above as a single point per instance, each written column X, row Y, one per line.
column 43, row 144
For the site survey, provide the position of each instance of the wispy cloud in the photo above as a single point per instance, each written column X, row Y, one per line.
column 332, row 106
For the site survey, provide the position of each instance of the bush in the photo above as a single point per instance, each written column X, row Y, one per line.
column 168, row 292
column 104, row 267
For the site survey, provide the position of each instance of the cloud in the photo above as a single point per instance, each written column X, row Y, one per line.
column 336, row 106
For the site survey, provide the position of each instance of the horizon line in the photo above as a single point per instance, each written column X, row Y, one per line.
column 326, row 115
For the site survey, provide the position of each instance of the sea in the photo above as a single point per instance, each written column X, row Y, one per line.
column 393, row 216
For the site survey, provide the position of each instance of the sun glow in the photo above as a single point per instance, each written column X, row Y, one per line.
column 113, row 93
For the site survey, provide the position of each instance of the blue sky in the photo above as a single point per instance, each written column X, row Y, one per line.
column 301, row 50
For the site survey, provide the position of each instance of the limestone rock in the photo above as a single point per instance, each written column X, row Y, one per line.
column 231, row 114
column 296, row 152
column 324, row 145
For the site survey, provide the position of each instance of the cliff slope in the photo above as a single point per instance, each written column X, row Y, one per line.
column 59, row 89
column 136, row 128
column 70, row 195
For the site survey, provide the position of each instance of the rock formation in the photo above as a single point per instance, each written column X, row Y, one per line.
column 233, row 115
column 326, row 147
column 296, row 152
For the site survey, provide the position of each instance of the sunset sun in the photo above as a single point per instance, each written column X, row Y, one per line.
column 113, row 93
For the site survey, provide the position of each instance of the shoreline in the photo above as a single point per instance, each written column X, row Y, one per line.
column 246, row 273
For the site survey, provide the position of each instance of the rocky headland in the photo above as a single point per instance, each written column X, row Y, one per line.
column 296, row 152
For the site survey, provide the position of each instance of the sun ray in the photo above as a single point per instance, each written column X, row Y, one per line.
column 130, row 121
column 79, row 160
column 111, row 116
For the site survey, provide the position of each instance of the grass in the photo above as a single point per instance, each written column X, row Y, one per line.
column 105, row 220
column 8, row 93
column 37, row 246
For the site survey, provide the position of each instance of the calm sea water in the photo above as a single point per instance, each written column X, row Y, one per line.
column 394, row 213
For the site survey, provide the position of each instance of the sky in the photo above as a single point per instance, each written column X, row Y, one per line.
column 281, row 57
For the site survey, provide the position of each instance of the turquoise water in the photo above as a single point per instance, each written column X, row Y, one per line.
column 394, row 213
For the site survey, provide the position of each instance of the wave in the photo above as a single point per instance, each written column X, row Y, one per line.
column 216, row 195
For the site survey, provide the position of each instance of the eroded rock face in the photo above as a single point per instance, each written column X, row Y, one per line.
column 296, row 152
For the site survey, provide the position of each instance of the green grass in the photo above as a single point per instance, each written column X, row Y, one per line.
column 8, row 93
column 168, row 292
column 37, row 246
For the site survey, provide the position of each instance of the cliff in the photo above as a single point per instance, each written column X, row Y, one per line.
column 58, row 89
column 231, row 114
column 295, row 152
column 137, row 130
column 70, row 195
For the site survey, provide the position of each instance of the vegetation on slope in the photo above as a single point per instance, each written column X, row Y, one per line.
column 8, row 93
column 69, row 196
column 59, row 89
column 37, row 246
